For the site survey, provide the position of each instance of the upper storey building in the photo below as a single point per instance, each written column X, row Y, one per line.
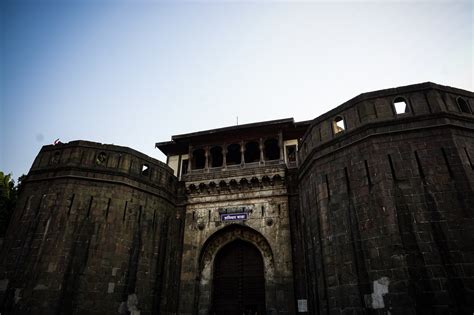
column 242, row 147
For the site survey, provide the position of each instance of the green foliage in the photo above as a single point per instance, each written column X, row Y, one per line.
column 8, row 197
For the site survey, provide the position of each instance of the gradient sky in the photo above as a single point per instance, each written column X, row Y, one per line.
column 134, row 73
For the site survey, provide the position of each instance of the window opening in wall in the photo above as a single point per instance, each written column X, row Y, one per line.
column 463, row 105
column 145, row 170
column 216, row 157
column 233, row 156
column 400, row 105
column 291, row 153
column 101, row 158
column 338, row 125
column 184, row 167
column 272, row 149
column 252, row 152
column 199, row 159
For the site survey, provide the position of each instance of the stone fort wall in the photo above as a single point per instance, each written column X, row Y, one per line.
column 379, row 213
column 96, row 230
column 387, row 203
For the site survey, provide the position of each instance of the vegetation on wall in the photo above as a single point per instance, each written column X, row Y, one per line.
column 8, row 198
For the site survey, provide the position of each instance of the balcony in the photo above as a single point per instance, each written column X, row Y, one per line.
column 240, row 170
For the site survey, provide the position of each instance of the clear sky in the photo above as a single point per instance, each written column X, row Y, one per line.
column 134, row 73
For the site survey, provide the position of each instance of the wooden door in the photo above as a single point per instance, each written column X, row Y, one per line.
column 239, row 283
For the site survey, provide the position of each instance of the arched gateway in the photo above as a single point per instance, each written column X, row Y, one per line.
column 238, row 282
column 236, row 273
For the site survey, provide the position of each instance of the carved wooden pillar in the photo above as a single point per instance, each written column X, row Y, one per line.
column 280, row 144
column 262, row 159
column 206, row 154
column 190, row 158
column 242, row 153
column 224, row 156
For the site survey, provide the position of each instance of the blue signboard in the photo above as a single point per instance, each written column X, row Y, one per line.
column 234, row 216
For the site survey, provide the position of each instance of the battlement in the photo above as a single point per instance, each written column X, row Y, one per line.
column 106, row 161
column 388, row 108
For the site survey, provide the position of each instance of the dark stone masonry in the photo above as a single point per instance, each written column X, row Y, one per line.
column 368, row 208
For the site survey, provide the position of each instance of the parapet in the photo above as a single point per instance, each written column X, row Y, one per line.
column 93, row 160
column 395, row 106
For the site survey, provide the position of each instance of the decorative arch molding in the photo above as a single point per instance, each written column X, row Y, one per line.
column 234, row 184
column 213, row 245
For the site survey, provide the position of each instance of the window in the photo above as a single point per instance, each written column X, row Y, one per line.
column 272, row 149
column 463, row 105
column 199, row 159
column 400, row 105
column 145, row 169
column 233, row 156
column 101, row 158
column 338, row 125
column 184, row 167
column 252, row 152
column 216, row 157
column 291, row 153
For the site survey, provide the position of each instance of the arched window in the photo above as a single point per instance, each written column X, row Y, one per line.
column 216, row 157
column 233, row 156
column 400, row 105
column 252, row 152
column 338, row 125
column 463, row 105
column 199, row 159
column 272, row 149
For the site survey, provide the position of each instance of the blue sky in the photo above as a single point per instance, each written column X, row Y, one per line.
column 134, row 73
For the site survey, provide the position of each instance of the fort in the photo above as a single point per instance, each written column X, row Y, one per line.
column 368, row 208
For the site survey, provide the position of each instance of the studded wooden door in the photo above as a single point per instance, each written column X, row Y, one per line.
column 239, row 284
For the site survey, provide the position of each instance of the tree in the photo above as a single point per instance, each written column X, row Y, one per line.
column 8, row 197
